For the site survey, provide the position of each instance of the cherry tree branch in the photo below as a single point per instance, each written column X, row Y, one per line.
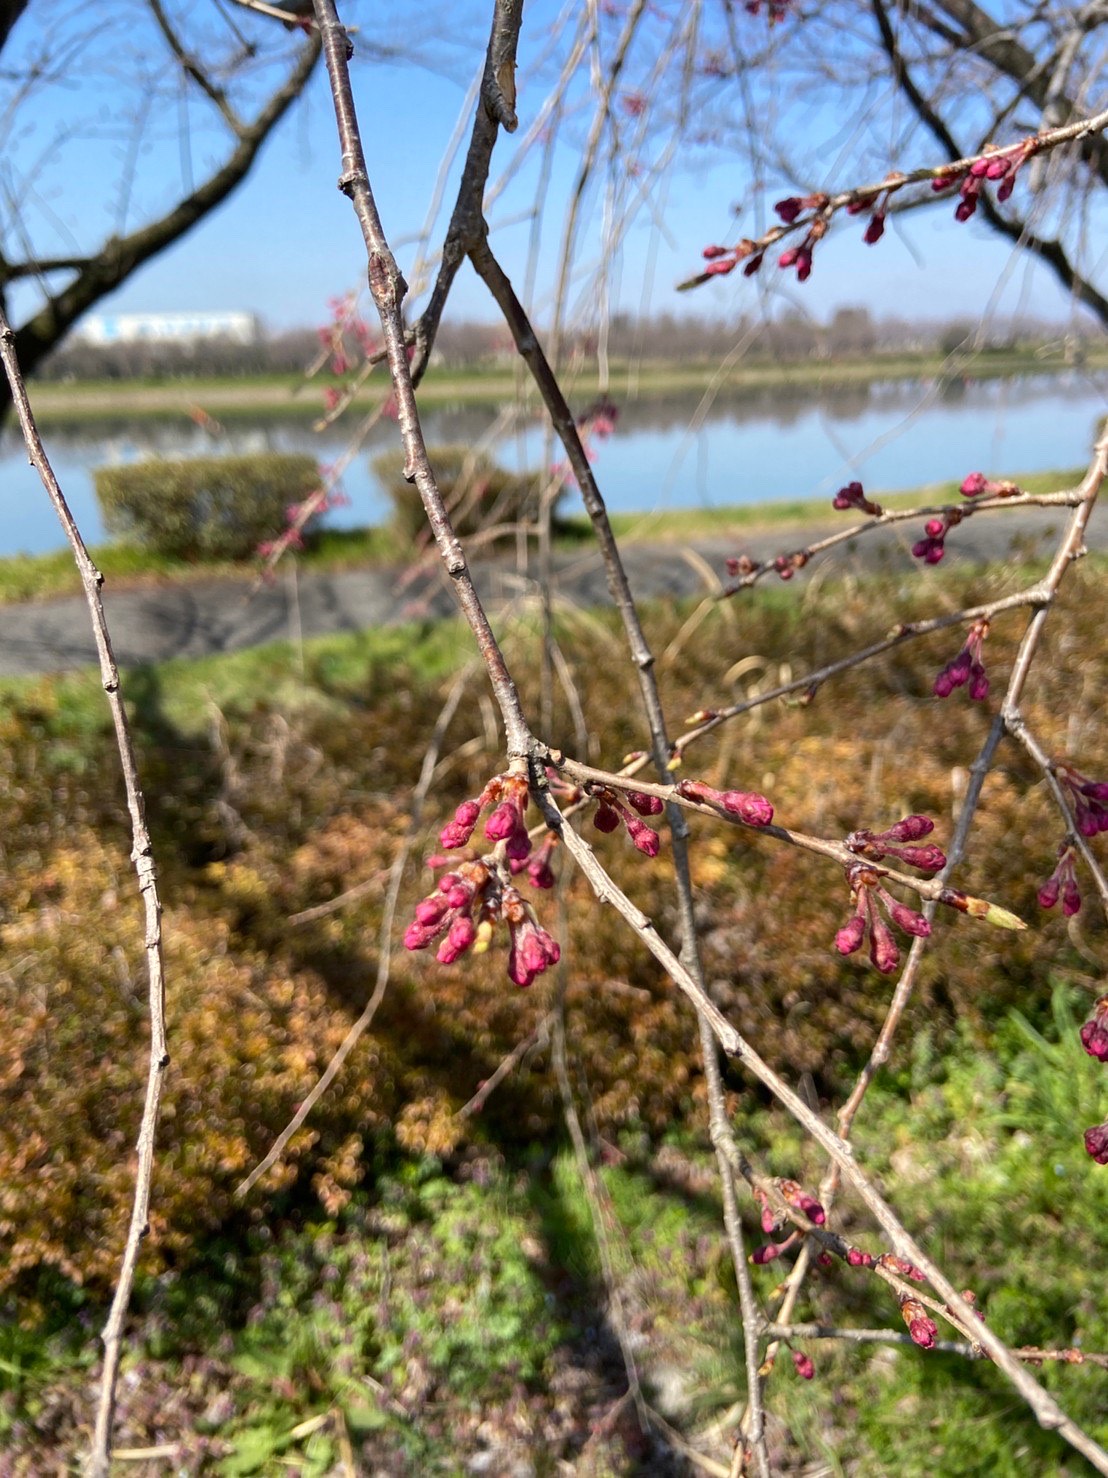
column 142, row 856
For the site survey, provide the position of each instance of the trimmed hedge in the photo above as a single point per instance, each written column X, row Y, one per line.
column 206, row 507
column 478, row 492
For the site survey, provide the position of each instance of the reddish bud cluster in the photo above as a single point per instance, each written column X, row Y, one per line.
column 776, row 10
column 900, row 1265
column 1089, row 799
column 611, row 813
column 797, row 1196
column 1062, row 883
column 1094, row 1033
column 299, row 515
column 1002, row 165
column 1096, row 1143
column 466, row 906
column 508, row 795
column 859, row 1259
column 921, row 1327
column 747, row 805
column 891, row 843
column 803, row 1365
column 866, row 894
column 967, row 667
column 853, row 496
column 932, row 546
column 976, row 483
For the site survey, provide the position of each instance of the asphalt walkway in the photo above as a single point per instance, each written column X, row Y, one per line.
column 200, row 617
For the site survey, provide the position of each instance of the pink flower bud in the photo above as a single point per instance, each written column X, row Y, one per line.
column 503, row 822
column 789, row 209
column 461, row 935
column 771, row 1250
column 646, row 805
column 927, row 859
column 753, row 808
column 457, row 833
column 788, row 258
column 974, row 484
column 1096, row 1143
column 876, row 228
column 605, row 818
column 431, row 910
column 907, row 829
column 711, row 252
column 645, row 838
column 1048, row 893
column 859, row 1259
column 907, row 919
column 850, row 936
column 1094, row 1039
column 419, row 936
column 803, row 1365
column 754, row 264
column 721, row 268
column 883, row 949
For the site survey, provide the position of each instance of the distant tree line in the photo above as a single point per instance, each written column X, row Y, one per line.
column 662, row 337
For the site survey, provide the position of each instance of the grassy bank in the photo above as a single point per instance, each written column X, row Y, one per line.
column 27, row 577
column 278, row 396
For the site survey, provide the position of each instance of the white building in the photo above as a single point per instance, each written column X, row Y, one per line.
column 167, row 328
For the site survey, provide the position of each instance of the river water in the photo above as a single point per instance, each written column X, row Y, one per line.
column 666, row 453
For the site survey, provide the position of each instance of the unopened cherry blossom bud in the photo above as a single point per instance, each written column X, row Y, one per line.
column 431, row 910
column 457, row 833
column 645, row 838
column 850, row 936
column 922, row 1329
column 754, row 264
column 605, row 818
column 803, row 1365
column 711, row 252
column 974, row 484
column 876, row 228
column 769, row 1251
column 1096, row 1143
column 859, row 1259
column 907, row 829
column 646, row 805
column 789, row 209
column 909, row 920
column 883, row 949
column 459, row 938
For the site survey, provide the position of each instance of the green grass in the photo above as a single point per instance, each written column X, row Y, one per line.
column 25, row 577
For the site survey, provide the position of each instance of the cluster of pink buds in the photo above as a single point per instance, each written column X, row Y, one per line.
column 508, row 795
column 747, row 805
column 795, row 1195
column 466, row 907
column 345, row 319
column 1096, row 1143
column 967, row 667
column 724, row 259
column 594, row 425
column 1062, row 883
column 921, row 1326
column 803, row 1366
column 932, row 546
column 1002, row 165
column 1088, row 797
column 1094, row 1033
column 853, row 496
column 776, row 10
column 299, row 515
column 867, row 893
column 899, row 841
column 976, row 483
column 879, row 205
column 611, row 813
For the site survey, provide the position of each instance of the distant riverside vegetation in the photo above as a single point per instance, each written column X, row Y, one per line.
column 664, row 338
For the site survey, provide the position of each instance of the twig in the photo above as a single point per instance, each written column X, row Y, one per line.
column 142, row 856
column 1030, row 1353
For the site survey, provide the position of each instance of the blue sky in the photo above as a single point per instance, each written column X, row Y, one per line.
column 287, row 241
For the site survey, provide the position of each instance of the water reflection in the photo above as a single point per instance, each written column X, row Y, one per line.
column 682, row 451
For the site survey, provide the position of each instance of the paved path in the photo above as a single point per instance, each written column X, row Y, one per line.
column 197, row 618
